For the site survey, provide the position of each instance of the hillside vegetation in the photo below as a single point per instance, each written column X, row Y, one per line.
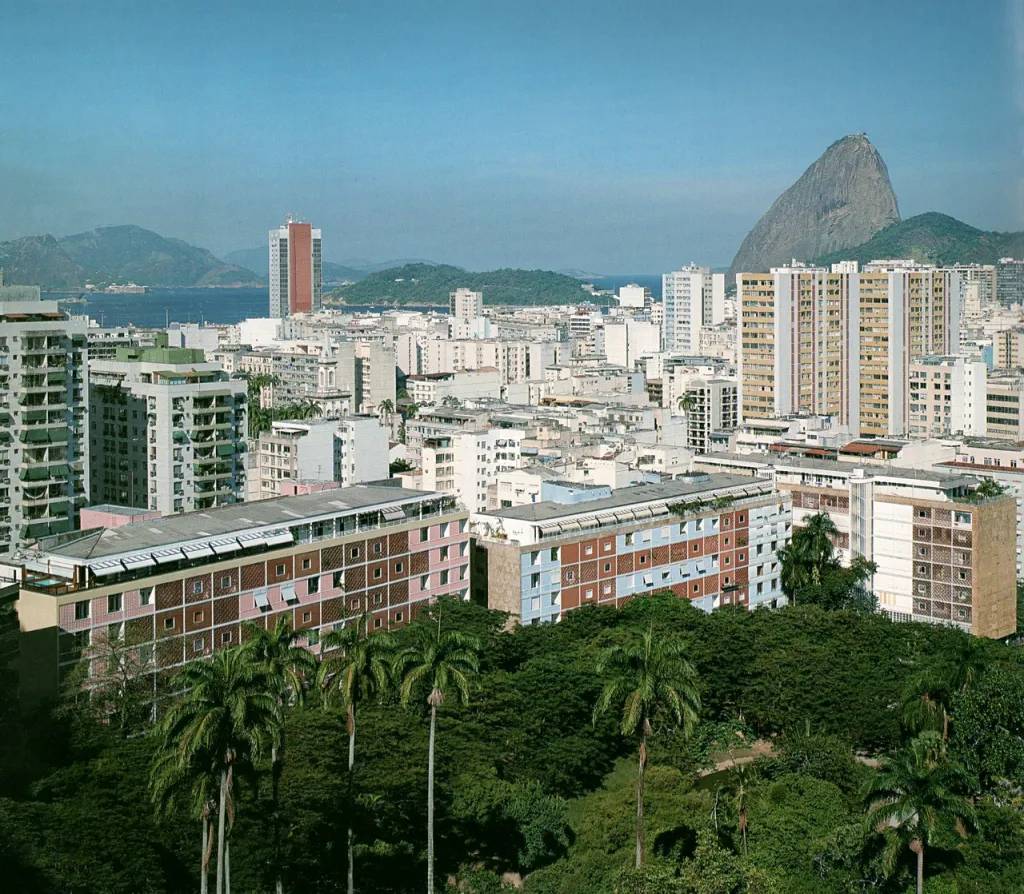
column 115, row 255
column 934, row 238
column 430, row 284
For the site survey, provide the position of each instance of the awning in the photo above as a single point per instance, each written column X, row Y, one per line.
column 165, row 556
column 197, row 551
column 290, row 595
column 607, row 519
column 225, row 545
column 624, row 516
column 250, row 541
column 274, row 538
column 261, row 599
column 138, row 562
column 104, row 569
column 392, row 513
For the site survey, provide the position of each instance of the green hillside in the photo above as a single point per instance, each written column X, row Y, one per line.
column 934, row 238
column 430, row 284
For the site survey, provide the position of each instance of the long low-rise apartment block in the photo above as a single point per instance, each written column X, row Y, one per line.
column 712, row 539
column 179, row 587
column 944, row 555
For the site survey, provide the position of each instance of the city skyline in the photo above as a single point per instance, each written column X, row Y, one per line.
column 533, row 138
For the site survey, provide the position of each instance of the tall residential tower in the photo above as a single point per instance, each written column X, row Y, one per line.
column 296, row 269
column 692, row 297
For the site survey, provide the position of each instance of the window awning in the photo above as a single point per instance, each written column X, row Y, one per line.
column 392, row 513
column 290, row 595
column 105, row 569
column 277, row 537
column 138, row 562
column 197, row 551
column 624, row 516
column 261, row 599
column 225, row 545
column 165, row 556
column 249, row 541
column 607, row 519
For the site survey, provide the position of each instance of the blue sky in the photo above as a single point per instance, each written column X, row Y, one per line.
column 613, row 137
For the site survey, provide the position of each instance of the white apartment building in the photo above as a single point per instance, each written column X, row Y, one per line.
column 632, row 295
column 44, row 448
column 626, row 341
column 692, row 297
column 714, row 405
column 947, row 397
column 466, row 462
column 432, row 390
column 167, row 431
column 516, row 361
column 465, row 304
column 351, row 450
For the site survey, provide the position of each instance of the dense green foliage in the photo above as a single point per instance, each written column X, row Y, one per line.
column 431, row 283
column 529, row 786
column 934, row 238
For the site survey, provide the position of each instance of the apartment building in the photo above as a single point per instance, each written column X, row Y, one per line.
column 943, row 555
column 841, row 342
column 296, row 269
column 1008, row 348
column 516, row 361
column 1010, row 281
column 167, row 431
column 352, row 450
column 627, row 341
column 711, row 405
column 692, row 297
column 465, row 304
column 178, row 588
column 44, row 470
column 432, row 390
column 712, row 539
column 1004, row 407
column 465, row 462
column 947, row 396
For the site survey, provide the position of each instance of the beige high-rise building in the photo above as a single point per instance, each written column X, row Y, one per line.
column 841, row 343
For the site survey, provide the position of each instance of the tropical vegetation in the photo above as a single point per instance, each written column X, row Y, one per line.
column 651, row 748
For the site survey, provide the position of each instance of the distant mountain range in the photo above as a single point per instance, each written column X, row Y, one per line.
column 346, row 271
column 430, row 284
column 115, row 255
column 934, row 238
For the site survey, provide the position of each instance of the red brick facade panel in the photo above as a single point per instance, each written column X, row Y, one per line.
column 225, row 637
column 678, row 551
column 398, row 592
column 225, row 582
column 606, row 566
column 570, row 553
column 625, row 563
column 607, row 546
column 377, row 573
column 279, row 570
column 570, row 598
column 661, row 555
column 307, row 564
column 355, row 552
column 398, row 543
column 419, row 562
column 588, row 572
column 331, row 558
column 332, row 610
column 197, row 588
column 225, row 609
column 169, row 623
column 307, row 616
column 254, row 576
column 198, row 616
column 355, row 578
column 376, row 548
column 168, row 594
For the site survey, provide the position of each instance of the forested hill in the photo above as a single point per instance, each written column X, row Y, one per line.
column 115, row 255
column 430, row 284
column 934, row 238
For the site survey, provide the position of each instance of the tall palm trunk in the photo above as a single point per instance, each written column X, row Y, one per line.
column 640, row 801
column 204, row 882
column 275, row 777
column 221, row 817
column 430, row 801
column 920, row 867
column 227, row 866
column 350, row 722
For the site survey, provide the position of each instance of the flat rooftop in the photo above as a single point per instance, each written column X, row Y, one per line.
column 757, row 460
column 627, row 496
column 172, row 530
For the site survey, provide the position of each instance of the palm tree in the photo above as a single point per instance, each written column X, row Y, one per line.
column 386, row 407
column 805, row 558
column 225, row 721
column 437, row 663
column 355, row 667
column 196, row 784
column 687, row 403
column 289, row 666
column 913, row 795
column 989, row 487
column 929, row 694
column 645, row 680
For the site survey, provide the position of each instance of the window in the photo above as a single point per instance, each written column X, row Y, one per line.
column 378, row 573
column 313, row 585
column 145, row 595
column 425, row 582
column 444, row 578
column 534, row 581
column 307, row 564
column 114, row 602
column 554, row 554
column 444, row 553
column 197, row 617
column 338, row 579
column 168, row 623
column 197, row 586
column 607, row 589
column 353, row 604
column 643, row 559
column 82, row 610
column 629, row 539
column 607, row 546
column 197, row 645
column 588, row 550
column 398, row 617
column 378, row 598
column 376, row 623
column 570, row 575
column 307, row 617
column 279, row 571
column 354, row 552
column 607, row 567
column 444, row 529
column 588, row 593
column 225, row 637
column 378, row 548
column 225, row 581
column 424, row 534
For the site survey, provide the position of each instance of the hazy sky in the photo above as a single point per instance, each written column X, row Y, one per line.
column 615, row 137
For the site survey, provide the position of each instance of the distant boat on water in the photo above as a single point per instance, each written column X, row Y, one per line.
column 129, row 288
